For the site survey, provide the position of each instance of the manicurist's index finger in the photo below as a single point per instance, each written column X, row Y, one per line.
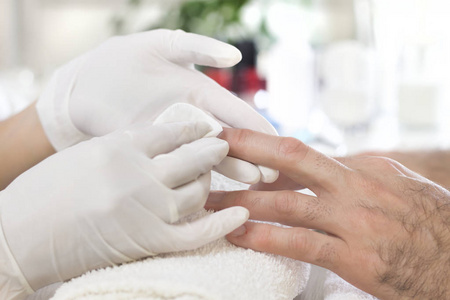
column 298, row 161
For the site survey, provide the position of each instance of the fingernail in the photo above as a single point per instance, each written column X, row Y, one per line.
column 240, row 231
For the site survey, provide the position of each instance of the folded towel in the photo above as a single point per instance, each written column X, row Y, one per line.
column 218, row 270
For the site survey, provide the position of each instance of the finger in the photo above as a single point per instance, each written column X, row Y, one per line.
column 229, row 109
column 297, row 243
column 191, row 197
column 170, row 205
column 223, row 106
column 231, row 167
column 225, row 111
column 183, row 47
column 268, row 175
column 300, row 162
column 238, row 170
column 282, row 183
column 209, row 228
column 163, row 138
column 189, row 161
column 284, row 207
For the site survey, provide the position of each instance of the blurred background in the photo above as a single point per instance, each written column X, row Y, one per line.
column 342, row 75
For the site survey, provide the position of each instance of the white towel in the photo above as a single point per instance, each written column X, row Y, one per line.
column 218, row 270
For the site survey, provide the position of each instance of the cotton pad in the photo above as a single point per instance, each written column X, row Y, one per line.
column 231, row 167
column 183, row 112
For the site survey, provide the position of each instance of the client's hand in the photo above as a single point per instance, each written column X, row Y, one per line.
column 107, row 201
column 386, row 228
column 432, row 164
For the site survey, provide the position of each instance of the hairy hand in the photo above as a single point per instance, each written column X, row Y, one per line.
column 386, row 229
column 434, row 165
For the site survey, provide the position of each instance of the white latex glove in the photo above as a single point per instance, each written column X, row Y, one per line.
column 107, row 201
column 134, row 78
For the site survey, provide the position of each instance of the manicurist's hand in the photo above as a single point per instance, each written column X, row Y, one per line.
column 107, row 201
column 134, row 78
column 387, row 229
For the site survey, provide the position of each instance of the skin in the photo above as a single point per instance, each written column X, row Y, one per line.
column 23, row 133
column 432, row 164
column 386, row 229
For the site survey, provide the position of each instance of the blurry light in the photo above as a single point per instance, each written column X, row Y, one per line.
column 262, row 99
column 26, row 78
column 251, row 15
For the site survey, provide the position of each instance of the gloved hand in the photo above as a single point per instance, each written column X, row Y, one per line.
column 107, row 201
column 134, row 78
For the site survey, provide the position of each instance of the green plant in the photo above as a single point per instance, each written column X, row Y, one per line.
column 220, row 19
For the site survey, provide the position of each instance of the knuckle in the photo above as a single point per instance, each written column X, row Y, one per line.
column 290, row 148
column 327, row 255
column 315, row 208
column 384, row 163
column 285, row 203
column 245, row 199
column 297, row 240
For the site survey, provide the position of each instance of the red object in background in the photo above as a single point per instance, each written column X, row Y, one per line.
column 247, row 81
column 242, row 79
column 221, row 76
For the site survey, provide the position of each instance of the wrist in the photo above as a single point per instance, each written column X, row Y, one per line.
column 23, row 144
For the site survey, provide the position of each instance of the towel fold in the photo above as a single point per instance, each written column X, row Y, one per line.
column 218, row 270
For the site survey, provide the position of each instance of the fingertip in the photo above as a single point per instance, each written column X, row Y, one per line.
column 238, row 232
column 236, row 215
column 240, row 235
column 268, row 175
column 230, row 56
column 203, row 50
column 239, row 170
column 213, row 148
column 223, row 146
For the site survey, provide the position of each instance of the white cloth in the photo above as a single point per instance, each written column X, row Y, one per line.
column 218, row 270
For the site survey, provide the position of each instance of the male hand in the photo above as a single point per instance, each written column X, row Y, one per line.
column 386, row 229
column 107, row 201
column 432, row 164
column 134, row 78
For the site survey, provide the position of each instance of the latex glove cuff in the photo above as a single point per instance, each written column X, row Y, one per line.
column 54, row 115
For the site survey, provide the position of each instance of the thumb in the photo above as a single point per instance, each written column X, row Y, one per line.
column 201, row 50
column 200, row 232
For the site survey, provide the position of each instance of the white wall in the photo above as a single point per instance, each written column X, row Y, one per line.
column 42, row 34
